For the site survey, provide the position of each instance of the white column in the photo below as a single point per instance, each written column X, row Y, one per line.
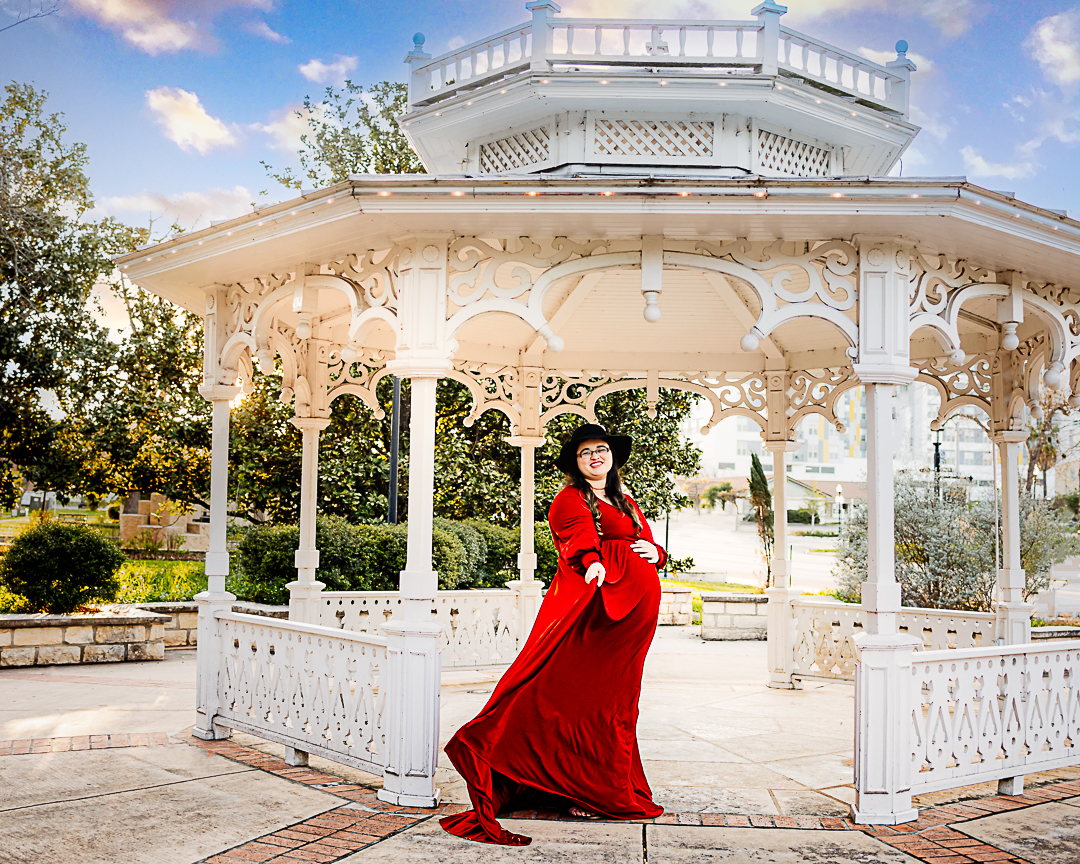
column 304, row 592
column 527, row 589
column 1013, row 614
column 781, row 618
column 883, row 674
column 415, row 670
column 215, row 598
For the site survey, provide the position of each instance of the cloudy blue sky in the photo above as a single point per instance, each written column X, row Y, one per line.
column 180, row 101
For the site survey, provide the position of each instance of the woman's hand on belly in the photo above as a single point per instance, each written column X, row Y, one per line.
column 646, row 550
column 596, row 571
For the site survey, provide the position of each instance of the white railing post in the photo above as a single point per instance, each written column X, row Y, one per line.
column 215, row 598
column 304, row 592
column 768, row 13
column 780, row 615
column 902, row 67
column 527, row 588
column 419, row 74
column 883, row 671
column 412, row 640
column 542, row 37
column 1013, row 614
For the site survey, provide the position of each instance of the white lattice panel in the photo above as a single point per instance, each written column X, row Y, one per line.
column 306, row 686
column 516, row 151
column 648, row 139
column 480, row 628
column 991, row 713
column 825, row 631
column 782, row 155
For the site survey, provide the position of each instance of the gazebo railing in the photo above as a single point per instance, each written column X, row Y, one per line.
column 824, row 633
column 993, row 713
column 314, row 689
column 481, row 628
column 553, row 44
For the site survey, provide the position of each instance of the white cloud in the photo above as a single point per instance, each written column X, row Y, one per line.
column 186, row 122
column 162, row 26
column 145, row 25
column 286, row 126
column 261, row 28
column 951, row 17
column 328, row 73
column 455, row 42
column 977, row 166
column 189, row 210
column 1054, row 43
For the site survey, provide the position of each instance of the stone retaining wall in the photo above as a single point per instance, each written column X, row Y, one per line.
column 182, row 630
column 109, row 636
column 731, row 616
column 676, row 605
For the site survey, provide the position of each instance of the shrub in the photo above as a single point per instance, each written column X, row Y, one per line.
column 475, row 547
column 503, row 545
column 802, row 516
column 945, row 549
column 113, row 512
column 547, row 557
column 351, row 558
column 57, row 568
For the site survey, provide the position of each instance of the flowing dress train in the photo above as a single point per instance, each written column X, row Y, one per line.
column 561, row 724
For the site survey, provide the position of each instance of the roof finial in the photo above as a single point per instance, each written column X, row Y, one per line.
column 417, row 52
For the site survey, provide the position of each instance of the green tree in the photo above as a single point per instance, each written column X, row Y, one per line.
column 52, row 253
column 761, row 501
column 351, row 131
column 719, row 493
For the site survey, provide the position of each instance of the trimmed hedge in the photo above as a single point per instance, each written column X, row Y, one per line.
column 503, row 545
column 351, row 558
column 56, row 568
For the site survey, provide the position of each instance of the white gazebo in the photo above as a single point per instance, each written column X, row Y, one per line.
column 613, row 204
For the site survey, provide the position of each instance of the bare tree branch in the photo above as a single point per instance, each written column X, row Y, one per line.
column 33, row 10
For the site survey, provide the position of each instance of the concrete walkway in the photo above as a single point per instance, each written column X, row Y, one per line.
column 94, row 768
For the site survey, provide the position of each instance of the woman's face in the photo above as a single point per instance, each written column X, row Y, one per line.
column 594, row 459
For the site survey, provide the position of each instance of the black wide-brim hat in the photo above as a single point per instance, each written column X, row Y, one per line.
column 620, row 446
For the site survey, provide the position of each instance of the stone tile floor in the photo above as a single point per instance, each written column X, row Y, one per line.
column 746, row 773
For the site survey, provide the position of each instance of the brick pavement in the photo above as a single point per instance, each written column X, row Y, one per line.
column 936, row 837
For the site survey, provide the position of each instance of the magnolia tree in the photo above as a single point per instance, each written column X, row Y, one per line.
column 945, row 547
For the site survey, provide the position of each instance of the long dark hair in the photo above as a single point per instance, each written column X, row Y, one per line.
column 612, row 489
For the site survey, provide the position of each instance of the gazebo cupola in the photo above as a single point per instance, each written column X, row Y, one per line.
column 580, row 97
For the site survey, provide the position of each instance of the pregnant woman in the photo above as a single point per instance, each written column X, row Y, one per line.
column 560, row 728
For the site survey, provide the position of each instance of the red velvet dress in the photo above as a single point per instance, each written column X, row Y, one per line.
column 561, row 726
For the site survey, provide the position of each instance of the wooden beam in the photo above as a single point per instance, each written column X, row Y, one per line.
column 532, row 355
column 744, row 316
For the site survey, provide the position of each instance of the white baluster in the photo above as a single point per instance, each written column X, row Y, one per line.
column 599, row 39
column 682, row 41
column 739, row 42
column 569, row 38
column 710, row 34
column 626, row 41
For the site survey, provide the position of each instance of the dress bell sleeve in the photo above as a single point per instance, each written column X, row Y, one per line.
column 573, row 530
column 646, row 534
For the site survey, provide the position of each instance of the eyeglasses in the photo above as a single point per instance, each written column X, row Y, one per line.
column 599, row 451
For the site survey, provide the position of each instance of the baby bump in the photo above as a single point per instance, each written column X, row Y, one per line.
column 631, row 581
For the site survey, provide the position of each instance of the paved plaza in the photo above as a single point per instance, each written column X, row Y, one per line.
column 96, row 766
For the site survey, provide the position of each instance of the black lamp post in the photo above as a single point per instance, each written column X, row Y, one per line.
column 395, row 440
